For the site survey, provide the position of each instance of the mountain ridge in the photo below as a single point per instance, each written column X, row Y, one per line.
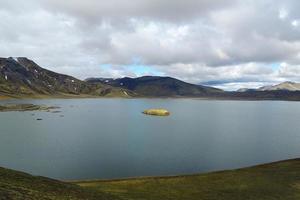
column 287, row 85
column 22, row 78
column 158, row 86
column 284, row 86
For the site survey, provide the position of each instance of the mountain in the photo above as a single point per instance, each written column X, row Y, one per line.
column 155, row 86
column 289, row 86
column 23, row 77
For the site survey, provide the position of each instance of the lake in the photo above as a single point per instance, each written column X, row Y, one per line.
column 111, row 138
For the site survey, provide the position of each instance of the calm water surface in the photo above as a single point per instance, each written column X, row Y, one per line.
column 111, row 138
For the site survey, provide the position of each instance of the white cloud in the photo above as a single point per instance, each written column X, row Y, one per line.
column 242, row 85
column 295, row 23
column 283, row 14
column 233, row 41
column 289, row 72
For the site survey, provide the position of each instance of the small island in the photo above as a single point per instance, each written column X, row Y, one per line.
column 25, row 107
column 157, row 112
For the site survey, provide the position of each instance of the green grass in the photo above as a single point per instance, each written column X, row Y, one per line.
column 279, row 180
column 21, row 186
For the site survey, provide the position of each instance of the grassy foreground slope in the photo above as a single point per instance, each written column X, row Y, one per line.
column 279, row 180
column 21, row 186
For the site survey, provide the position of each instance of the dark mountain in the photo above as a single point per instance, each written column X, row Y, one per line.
column 154, row 86
column 21, row 76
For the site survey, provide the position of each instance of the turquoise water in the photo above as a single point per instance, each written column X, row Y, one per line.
column 111, row 138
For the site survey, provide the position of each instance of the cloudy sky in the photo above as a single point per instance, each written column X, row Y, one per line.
column 225, row 43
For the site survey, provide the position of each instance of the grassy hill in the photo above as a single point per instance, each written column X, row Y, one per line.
column 273, row 181
column 21, row 186
column 280, row 180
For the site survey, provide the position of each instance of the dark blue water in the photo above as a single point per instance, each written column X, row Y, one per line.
column 111, row 138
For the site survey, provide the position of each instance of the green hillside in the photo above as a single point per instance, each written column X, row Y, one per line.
column 21, row 186
column 280, row 180
column 274, row 181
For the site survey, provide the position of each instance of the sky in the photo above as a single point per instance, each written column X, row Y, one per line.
column 229, row 44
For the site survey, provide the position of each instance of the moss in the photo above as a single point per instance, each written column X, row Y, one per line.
column 157, row 112
column 22, row 186
column 279, row 180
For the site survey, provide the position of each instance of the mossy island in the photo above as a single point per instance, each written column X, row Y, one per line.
column 157, row 112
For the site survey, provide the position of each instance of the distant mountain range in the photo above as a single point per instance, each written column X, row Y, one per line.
column 285, row 86
column 21, row 77
column 289, row 86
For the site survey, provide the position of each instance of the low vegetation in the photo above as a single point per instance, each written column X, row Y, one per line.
column 20, row 186
column 280, row 180
column 273, row 181
column 25, row 107
column 157, row 112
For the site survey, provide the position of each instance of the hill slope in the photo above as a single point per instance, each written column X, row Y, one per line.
column 23, row 77
column 279, row 180
column 20, row 186
column 155, row 86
